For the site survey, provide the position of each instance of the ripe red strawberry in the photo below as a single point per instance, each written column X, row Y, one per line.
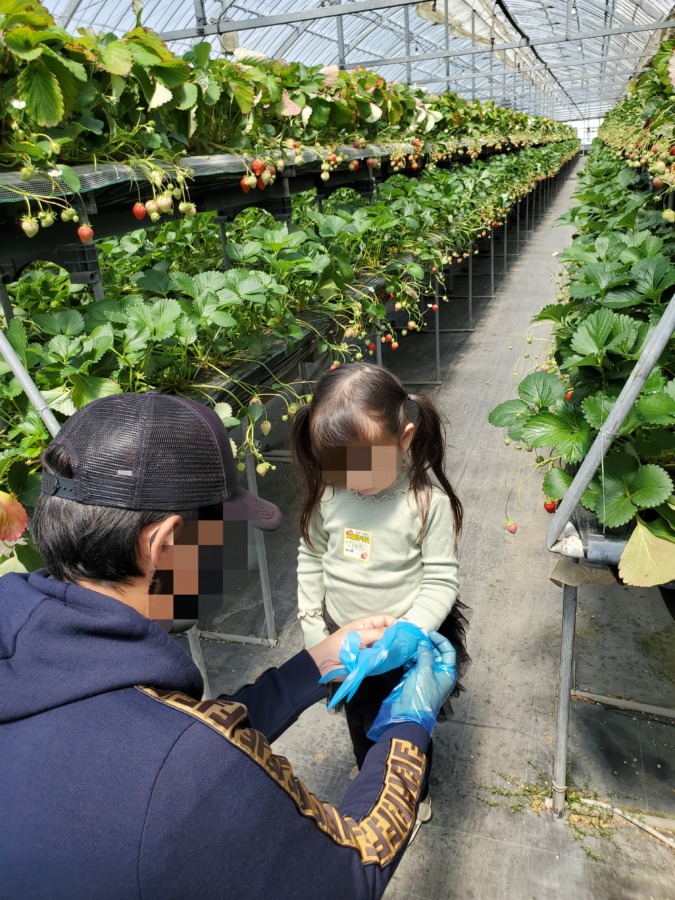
column 371, row 162
column 139, row 211
column 511, row 526
column 258, row 166
column 568, row 396
column 388, row 338
column 434, row 269
column 261, row 184
column 414, row 166
column 394, row 345
column 417, row 142
column 371, row 346
column 550, row 505
column 435, row 307
column 672, row 151
column 244, row 186
column 331, row 158
column 354, row 164
column 85, row 233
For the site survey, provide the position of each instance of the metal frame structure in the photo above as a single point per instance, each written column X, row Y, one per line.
column 519, row 52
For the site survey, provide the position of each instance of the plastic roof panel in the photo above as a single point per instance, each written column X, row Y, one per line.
column 565, row 78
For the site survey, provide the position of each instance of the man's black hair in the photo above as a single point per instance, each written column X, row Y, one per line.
column 95, row 542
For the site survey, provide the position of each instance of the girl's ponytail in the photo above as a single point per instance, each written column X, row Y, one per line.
column 427, row 451
column 310, row 467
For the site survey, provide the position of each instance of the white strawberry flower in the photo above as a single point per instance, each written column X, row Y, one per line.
column 18, row 104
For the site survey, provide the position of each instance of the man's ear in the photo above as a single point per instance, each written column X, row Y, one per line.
column 155, row 538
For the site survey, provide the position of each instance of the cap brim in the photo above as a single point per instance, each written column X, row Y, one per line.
column 245, row 506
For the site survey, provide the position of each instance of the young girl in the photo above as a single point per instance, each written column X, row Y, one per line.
column 378, row 536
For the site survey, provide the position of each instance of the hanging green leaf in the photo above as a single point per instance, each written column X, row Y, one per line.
column 557, row 482
column 42, row 94
column 89, row 387
column 542, row 389
column 117, row 58
column 591, row 336
column 567, row 431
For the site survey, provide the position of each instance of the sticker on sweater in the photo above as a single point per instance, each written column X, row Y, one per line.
column 357, row 544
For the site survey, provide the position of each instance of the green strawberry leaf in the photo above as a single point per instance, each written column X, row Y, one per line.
column 657, row 409
column 117, row 58
column 40, row 89
column 566, row 430
column 557, row 482
column 510, row 413
column 89, row 387
column 651, row 486
column 591, row 336
column 542, row 389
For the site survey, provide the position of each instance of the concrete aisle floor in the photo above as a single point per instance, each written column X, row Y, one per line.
column 489, row 837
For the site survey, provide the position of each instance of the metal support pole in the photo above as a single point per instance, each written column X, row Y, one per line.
column 518, row 225
column 506, row 240
column 378, row 347
column 564, row 690
column 342, row 58
column 437, row 331
column 28, row 386
column 470, row 289
column 473, row 58
column 406, row 33
column 6, row 303
column 492, row 262
column 252, row 485
column 527, row 212
column 198, row 659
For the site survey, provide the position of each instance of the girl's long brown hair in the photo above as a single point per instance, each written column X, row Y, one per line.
column 361, row 403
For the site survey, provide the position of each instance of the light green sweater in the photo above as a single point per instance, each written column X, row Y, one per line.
column 368, row 559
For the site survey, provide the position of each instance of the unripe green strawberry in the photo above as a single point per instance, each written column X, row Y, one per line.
column 68, row 214
column 262, row 468
column 26, row 173
column 265, row 427
column 46, row 218
column 668, row 215
column 241, row 466
column 29, row 225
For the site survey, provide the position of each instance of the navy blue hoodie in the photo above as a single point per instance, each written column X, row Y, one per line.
column 117, row 781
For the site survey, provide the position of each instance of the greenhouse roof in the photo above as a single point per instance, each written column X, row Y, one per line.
column 571, row 59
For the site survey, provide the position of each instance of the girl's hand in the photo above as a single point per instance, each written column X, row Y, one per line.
column 326, row 655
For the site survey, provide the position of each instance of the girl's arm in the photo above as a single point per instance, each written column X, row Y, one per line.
column 311, row 590
column 440, row 583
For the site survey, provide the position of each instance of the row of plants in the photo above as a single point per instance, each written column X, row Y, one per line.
column 94, row 98
column 641, row 129
column 619, row 277
column 173, row 318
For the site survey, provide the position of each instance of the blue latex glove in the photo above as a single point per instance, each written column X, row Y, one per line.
column 397, row 646
column 423, row 689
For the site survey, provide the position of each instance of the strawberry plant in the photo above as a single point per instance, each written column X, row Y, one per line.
column 618, row 279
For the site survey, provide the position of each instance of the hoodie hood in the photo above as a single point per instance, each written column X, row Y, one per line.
column 60, row 643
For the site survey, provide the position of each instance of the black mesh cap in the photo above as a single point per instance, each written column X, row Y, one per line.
column 156, row 452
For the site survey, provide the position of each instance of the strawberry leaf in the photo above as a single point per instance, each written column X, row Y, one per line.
column 557, row 482
column 648, row 559
column 566, row 430
column 657, row 409
column 542, row 389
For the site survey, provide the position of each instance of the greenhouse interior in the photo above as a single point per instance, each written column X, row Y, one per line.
column 300, row 271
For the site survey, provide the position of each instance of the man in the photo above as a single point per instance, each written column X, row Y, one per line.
column 116, row 779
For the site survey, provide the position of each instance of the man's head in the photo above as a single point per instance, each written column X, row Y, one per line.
column 139, row 494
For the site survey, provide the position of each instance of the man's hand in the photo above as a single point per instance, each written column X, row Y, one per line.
column 326, row 655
